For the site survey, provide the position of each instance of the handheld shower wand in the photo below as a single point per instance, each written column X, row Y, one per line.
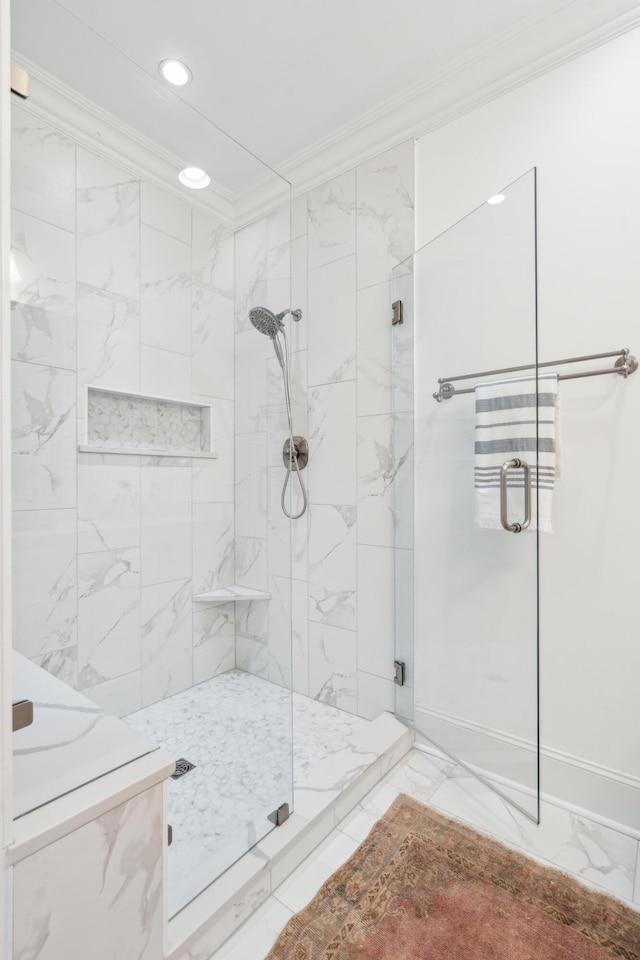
column 295, row 453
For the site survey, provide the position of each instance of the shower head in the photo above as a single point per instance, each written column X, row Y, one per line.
column 266, row 322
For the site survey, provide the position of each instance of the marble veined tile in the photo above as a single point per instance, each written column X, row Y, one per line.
column 45, row 595
column 62, row 664
column 250, row 272
column 300, row 636
column 167, row 646
column 331, row 476
column 163, row 211
column 43, row 294
column 375, row 333
column 280, row 631
column 108, row 615
column 331, row 223
column 70, row 742
column 333, row 565
column 108, row 226
column 108, row 340
column 251, row 563
column 332, row 666
column 250, row 387
column 165, row 534
column 591, row 851
column 385, row 213
column 251, row 479
column 385, row 448
column 213, row 546
column 164, row 374
column 44, row 437
column 376, row 608
column 165, row 285
column 214, row 640
column 112, row 891
column 212, row 253
column 108, row 502
column 213, row 479
column 213, row 343
column 43, row 170
column 331, row 320
column 299, row 217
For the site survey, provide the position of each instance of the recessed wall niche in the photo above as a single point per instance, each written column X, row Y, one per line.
column 136, row 423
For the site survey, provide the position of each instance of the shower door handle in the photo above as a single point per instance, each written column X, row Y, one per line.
column 508, row 465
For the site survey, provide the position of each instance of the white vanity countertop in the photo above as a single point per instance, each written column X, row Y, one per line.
column 71, row 742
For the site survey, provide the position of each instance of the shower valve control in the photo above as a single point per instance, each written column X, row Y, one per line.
column 300, row 453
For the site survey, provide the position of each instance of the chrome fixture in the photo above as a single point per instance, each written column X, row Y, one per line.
column 300, row 453
column 625, row 365
column 508, row 465
column 281, row 815
column 182, row 766
column 295, row 452
column 398, row 312
column 22, row 714
column 399, row 672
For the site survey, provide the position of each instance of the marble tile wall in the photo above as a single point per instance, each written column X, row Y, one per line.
column 118, row 284
column 357, row 228
column 263, row 549
column 346, row 238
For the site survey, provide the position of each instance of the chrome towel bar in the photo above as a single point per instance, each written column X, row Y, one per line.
column 625, row 365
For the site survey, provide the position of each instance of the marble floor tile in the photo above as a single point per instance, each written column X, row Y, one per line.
column 585, row 851
column 259, row 934
column 219, row 810
column 303, row 884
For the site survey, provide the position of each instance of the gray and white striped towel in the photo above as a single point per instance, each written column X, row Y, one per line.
column 506, row 428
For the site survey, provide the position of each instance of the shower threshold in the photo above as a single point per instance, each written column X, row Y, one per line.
column 236, row 729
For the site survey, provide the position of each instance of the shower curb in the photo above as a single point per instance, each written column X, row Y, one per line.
column 321, row 801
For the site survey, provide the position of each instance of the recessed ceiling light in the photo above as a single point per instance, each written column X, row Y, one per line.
column 194, row 177
column 496, row 198
column 175, row 72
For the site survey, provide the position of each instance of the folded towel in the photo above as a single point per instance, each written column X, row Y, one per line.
column 506, row 429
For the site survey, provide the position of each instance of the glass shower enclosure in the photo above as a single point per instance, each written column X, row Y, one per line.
column 472, row 593
column 152, row 559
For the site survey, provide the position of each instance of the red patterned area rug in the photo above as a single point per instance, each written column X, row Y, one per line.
column 423, row 887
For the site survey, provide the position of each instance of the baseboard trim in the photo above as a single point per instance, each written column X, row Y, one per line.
column 601, row 793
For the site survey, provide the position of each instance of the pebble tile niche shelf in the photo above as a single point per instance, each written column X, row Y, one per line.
column 230, row 594
column 121, row 422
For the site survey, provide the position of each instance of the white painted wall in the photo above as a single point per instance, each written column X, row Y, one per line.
column 579, row 126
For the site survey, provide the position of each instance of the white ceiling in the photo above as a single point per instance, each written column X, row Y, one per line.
column 278, row 76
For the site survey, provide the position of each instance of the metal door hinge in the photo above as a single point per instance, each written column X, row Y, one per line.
column 169, row 835
column 399, row 675
column 280, row 816
column 398, row 312
column 22, row 714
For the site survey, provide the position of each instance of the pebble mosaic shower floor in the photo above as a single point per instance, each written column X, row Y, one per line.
column 236, row 728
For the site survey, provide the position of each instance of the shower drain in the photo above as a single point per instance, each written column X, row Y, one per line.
column 182, row 766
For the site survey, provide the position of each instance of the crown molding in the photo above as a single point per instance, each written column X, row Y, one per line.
column 105, row 134
column 511, row 59
column 557, row 34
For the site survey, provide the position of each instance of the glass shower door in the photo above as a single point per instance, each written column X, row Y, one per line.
column 475, row 597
